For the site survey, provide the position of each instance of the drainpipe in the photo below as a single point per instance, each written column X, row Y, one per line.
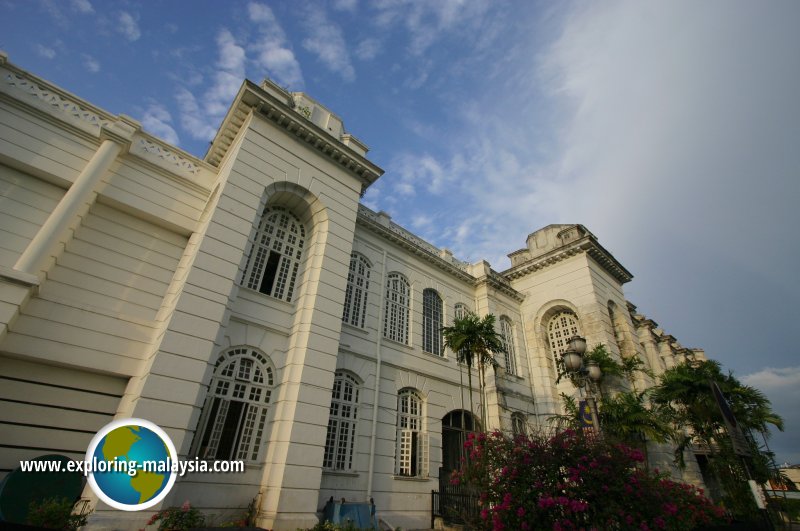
column 375, row 408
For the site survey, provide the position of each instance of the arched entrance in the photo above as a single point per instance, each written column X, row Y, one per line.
column 455, row 426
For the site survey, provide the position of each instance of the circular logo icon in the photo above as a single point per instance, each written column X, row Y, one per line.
column 131, row 464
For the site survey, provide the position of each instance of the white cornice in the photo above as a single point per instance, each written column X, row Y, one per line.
column 396, row 234
column 588, row 244
column 252, row 98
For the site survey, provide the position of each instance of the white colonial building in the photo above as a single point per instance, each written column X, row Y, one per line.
column 249, row 305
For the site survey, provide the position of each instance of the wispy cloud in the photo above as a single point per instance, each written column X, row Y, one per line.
column 45, row 51
column 271, row 48
column 90, row 63
column 367, row 49
column 345, row 5
column 427, row 22
column 193, row 119
column 82, row 6
column 128, row 26
column 158, row 121
column 327, row 42
column 228, row 77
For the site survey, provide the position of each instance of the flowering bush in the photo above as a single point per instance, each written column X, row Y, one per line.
column 183, row 517
column 574, row 481
column 55, row 513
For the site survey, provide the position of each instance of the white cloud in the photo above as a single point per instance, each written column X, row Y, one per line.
column 158, row 121
column 82, row 6
column 272, row 51
column 128, row 26
column 90, row 63
column 193, row 119
column 227, row 78
column 45, row 51
column 345, row 5
column 367, row 49
column 775, row 380
column 427, row 22
column 327, row 42
column 782, row 387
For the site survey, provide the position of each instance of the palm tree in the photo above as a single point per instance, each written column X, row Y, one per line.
column 685, row 393
column 627, row 417
column 475, row 341
column 686, row 396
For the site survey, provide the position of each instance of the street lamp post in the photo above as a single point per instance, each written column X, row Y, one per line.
column 585, row 374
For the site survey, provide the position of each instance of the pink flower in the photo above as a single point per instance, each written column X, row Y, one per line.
column 186, row 506
column 521, row 512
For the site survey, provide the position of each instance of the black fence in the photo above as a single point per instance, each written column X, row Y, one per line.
column 455, row 504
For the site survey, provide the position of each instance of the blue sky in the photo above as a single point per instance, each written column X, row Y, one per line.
column 670, row 129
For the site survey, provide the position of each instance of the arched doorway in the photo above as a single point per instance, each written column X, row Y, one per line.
column 455, row 426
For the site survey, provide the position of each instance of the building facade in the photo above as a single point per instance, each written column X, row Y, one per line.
column 249, row 305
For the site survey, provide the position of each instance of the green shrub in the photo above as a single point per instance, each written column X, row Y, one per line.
column 55, row 513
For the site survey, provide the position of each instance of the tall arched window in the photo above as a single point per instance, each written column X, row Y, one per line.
column 560, row 329
column 275, row 256
column 340, row 441
column 432, row 322
column 396, row 310
column 355, row 297
column 519, row 425
column 460, row 311
column 507, row 334
column 235, row 412
column 412, row 442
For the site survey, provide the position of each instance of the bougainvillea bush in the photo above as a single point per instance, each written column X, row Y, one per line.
column 574, row 481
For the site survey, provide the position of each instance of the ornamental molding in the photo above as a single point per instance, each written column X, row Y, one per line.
column 54, row 102
column 382, row 226
column 588, row 245
column 275, row 105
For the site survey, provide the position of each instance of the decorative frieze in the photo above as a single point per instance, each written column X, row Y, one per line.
column 161, row 156
column 54, row 102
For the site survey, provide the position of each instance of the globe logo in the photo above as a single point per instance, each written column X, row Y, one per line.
column 131, row 464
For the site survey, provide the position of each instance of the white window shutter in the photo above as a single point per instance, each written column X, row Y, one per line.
column 405, row 440
column 423, row 454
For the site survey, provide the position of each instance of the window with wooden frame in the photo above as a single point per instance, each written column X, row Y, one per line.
column 507, row 336
column 432, row 322
column 412, row 445
column 341, row 436
column 560, row 329
column 355, row 296
column 275, row 254
column 397, row 308
column 234, row 417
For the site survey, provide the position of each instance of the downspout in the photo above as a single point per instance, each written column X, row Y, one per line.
column 375, row 404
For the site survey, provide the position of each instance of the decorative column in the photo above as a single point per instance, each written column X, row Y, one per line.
column 83, row 190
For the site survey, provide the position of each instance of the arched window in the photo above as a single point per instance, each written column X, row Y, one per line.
column 395, row 315
column 412, row 442
column 460, row 311
column 519, row 425
column 235, row 412
column 275, row 256
column 560, row 329
column 432, row 322
column 355, row 297
column 507, row 335
column 340, row 441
